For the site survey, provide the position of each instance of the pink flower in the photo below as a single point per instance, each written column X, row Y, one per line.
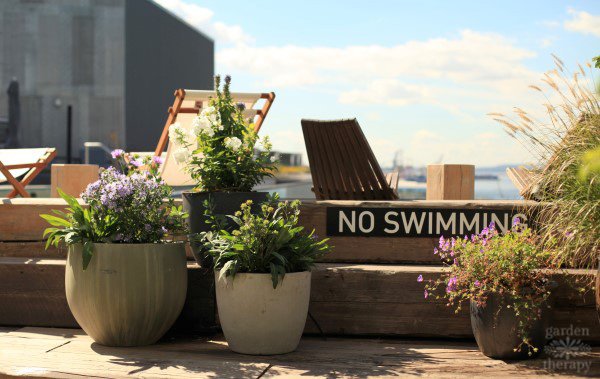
column 420, row 278
column 426, row 294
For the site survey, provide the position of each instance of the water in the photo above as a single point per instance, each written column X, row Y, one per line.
column 501, row 189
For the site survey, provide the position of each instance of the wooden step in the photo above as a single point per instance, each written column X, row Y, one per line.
column 346, row 299
column 20, row 222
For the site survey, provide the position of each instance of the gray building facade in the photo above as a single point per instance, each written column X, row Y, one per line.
column 117, row 62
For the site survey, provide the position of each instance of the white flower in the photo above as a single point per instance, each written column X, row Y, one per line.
column 273, row 159
column 233, row 143
column 212, row 115
column 209, row 131
column 176, row 134
column 181, row 155
column 200, row 124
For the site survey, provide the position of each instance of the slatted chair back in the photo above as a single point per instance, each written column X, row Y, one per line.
column 187, row 105
column 342, row 164
column 28, row 163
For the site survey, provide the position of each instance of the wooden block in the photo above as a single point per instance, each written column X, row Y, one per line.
column 72, row 179
column 450, row 182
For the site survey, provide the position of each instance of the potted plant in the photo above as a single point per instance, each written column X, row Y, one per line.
column 568, row 215
column 220, row 153
column 503, row 277
column 126, row 273
column 262, row 274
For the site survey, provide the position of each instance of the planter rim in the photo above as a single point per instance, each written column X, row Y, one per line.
column 264, row 273
column 209, row 192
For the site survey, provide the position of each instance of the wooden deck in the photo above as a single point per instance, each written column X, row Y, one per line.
column 69, row 353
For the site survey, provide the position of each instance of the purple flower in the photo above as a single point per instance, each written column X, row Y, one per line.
column 426, row 294
column 477, row 283
column 568, row 234
column 442, row 241
column 452, row 284
column 227, row 79
column 158, row 160
column 516, row 221
column 420, row 278
column 117, row 153
column 135, row 162
column 241, row 106
column 435, row 250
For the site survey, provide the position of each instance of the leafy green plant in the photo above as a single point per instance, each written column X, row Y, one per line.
column 510, row 265
column 219, row 152
column 569, row 215
column 267, row 242
column 78, row 225
column 120, row 209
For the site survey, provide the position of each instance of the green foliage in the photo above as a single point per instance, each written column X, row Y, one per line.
column 268, row 242
column 219, row 153
column 510, row 265
column 78, row 225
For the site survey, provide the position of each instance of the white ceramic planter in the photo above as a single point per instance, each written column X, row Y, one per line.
column 258, row 319
column 130, row 294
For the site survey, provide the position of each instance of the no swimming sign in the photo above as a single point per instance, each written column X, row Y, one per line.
column 416, row 222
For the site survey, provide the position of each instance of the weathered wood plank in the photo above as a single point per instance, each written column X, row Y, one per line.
column 20, row 218
column 35, row 249
column 68, row 353
column 32, row 293
column 345, row 300
column 388, row 249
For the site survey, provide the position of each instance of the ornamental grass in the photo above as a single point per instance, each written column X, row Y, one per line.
column 569, row 216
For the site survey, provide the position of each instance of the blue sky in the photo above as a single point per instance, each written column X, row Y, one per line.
column 420, row 76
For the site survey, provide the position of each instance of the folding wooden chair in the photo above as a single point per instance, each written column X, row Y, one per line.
column 28, row 162
column 342, row 164
column 187, row 105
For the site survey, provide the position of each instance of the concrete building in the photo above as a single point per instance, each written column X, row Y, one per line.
column 117, row 62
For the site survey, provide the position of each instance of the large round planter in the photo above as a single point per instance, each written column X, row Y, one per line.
column 130, row 294
column 225, row 203
column 495, row 330
column 258, row 319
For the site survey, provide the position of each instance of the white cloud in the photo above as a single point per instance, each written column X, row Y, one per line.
column 202, row 19
column 583, row 22
column 408, row 73
column 384, row 91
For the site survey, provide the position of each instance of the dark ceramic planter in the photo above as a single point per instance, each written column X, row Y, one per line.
column 496, row 332
column 226, row 203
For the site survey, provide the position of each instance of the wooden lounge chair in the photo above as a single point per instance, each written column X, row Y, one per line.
column 342, row 164
column 187, row 105
column 28, row 162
